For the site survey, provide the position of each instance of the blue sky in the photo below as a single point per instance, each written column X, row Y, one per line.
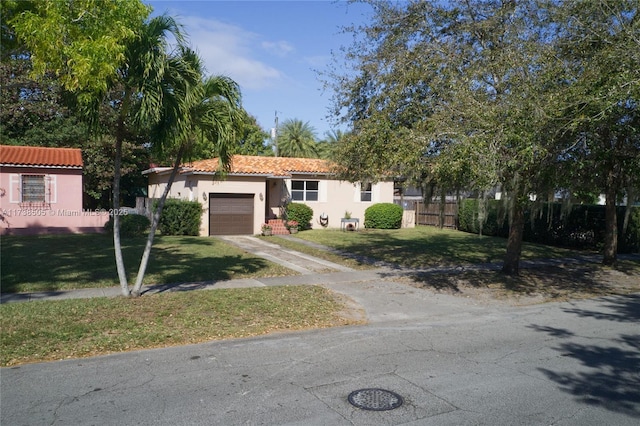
column 271, row 49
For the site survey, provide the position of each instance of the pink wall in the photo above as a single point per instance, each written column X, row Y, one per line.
column 60, row 213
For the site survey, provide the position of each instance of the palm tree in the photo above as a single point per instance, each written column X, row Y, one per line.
column 196, row 114
column 146, row 67
column 325, row 147
column 297, row 139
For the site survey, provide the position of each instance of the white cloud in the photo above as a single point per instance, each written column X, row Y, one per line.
column 279, row 48
column 227, row 49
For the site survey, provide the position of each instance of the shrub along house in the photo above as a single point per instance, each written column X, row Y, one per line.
column 41, row 192
column 257, row 189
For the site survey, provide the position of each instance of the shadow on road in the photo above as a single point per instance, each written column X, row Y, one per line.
column 611, row 378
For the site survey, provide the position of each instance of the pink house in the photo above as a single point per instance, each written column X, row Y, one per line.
column 41, row 192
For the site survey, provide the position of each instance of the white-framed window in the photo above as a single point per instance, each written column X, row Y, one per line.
column 366, row 192
column 33, row 189
column 304, row 190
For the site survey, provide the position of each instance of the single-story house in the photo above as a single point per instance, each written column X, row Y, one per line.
column 41, row 192
column 257, row 189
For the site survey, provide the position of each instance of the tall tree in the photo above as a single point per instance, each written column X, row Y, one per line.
column 252, row 139
column 450, row 94
column 297, row 138
column 85, row 43
column 94, row 47
column 599, row 43
column 325, row 147
column 196, row 114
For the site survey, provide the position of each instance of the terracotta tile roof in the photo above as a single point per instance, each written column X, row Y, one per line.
column 40, row 157
column 271, row 166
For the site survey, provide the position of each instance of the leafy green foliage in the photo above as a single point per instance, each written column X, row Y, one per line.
column 483, row 217
column 297, row 139
column 383, row 216
column 301, row 213
column 131, row 225
column 477, row 94
column 599, row 45
column 35, row 112
column 180, row 217
column 582, row 227
column 83, row 42
column 251, row 139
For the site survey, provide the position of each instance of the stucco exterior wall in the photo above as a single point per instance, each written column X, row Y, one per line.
column 334, row 197
column 60, row 212
column 199, row 187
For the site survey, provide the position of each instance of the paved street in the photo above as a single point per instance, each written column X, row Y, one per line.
column 453, row 360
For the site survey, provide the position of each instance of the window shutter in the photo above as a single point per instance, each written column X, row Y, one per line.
column 51, row 189
column 323, row 189
column 14, row 188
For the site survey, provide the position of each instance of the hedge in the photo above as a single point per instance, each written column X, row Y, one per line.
column 582, row 227
column 131, row 225
column 383, row 216
column 180, row 217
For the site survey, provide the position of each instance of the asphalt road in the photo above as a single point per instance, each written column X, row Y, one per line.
column 453, row 361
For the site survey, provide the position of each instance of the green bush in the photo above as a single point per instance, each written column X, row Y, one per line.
column 131, row 225
column 180, row 217
column 301, row 213
column 630, row 241
column 582, row 227
column 383, row 216
column 495, row 222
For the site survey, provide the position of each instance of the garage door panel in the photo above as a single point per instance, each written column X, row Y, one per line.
column 231, row 214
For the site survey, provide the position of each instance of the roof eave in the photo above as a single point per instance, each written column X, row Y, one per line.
column 41, row 166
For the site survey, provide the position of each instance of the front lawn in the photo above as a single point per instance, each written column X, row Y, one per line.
column 60, row 262
column 54, row 330
column 425, row 246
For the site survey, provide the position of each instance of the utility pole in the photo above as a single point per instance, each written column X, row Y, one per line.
column 274, row 135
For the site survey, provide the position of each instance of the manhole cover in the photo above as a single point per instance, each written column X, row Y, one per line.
column 375, row 399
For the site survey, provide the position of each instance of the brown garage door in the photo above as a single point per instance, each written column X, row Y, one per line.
column 230, row 214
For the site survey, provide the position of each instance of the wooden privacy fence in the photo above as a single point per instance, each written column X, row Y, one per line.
column 433, row 213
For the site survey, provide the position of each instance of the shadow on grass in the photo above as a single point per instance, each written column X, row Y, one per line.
column 610, row 379
column 52, row 263
column 425, row 247
column 438, row 249
column 551, row 282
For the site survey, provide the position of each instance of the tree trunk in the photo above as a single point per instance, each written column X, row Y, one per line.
column 443, row 199
column 611, row 228
column 144, row 261
column 122, row 274
column 511, row 265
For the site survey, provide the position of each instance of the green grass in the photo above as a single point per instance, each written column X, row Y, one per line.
column 425, row 246
column 53, row 330
column 322, row 254
column 60, row 262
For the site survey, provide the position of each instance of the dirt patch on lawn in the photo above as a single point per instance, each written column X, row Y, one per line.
column 536, row 285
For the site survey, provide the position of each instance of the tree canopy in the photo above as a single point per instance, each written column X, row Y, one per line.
column 478, row 94
column 89, row 38
column 297, row 138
